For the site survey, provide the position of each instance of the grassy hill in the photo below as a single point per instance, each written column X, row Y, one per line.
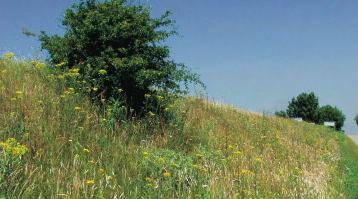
column 67, row 148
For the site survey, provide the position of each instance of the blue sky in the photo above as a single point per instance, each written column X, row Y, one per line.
column 254, row 54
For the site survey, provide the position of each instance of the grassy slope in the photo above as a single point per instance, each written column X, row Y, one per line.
column 208, row 151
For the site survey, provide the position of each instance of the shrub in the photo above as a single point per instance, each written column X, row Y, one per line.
column 281, row 114
column 356, row 119
column 305, row 105
column 329, row 113
column 116, row 50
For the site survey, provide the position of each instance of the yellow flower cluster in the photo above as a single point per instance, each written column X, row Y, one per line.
column 73, row 72
column 37, row 64
column 19, row 94
column 11, row 146
column 166, row 174
column 59, row 65
column 102, row 72
column 9, row 55
column 244, row 172
column 90, row 182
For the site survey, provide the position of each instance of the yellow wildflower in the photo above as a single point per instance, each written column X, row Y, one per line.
column 102, row 72
column 258, row 159
column 149, row 179
column 245, row 172
column 38, row 64
column 19, row 94
column 94, row 88
column 9, row 55
column 101, row 171
column 161, row 160
column 72, row 90
column 11, row 146
column 145, row 154
column 89, row 182
column 61, row 77
column 60, row 64
column 74, row 70
column 230, row 147
column 86, row 150
column 166, row 174
column 77, row 108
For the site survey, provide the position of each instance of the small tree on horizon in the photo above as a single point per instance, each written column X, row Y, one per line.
column 281, row 114
column 329, row 113
column 356, row 119
column 305, row 105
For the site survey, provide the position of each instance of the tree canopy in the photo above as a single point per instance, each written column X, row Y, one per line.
column 118, row 51
column 331, row 114
column 305, row 105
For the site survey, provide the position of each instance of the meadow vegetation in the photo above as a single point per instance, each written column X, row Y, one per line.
column 56, row 143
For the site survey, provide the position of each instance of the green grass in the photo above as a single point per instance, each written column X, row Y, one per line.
column 349, row 166
column 205, row 151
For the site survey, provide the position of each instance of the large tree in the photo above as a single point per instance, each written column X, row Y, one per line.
column 118, row 49
column 331, row 114
column 305, row 105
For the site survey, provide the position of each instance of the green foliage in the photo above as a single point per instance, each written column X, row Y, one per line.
column 281, row 114
column 348, row 165
column 331, row 114
column 117, row 51
column 356, row 119
column 305, row 105
column 176, row 172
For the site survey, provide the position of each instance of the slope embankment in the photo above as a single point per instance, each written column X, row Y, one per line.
column 78, row 150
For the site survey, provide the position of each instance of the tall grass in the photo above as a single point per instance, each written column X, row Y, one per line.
column 77, row 150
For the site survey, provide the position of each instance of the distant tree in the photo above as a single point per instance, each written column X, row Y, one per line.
column 119, row 50
column 305, row 105
column 356, row 119
column 331, row 114
column 281, row 114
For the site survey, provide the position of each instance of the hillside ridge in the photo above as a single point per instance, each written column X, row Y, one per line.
column 77, row 149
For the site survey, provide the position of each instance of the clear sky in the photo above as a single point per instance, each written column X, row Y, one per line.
column 255, row 54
